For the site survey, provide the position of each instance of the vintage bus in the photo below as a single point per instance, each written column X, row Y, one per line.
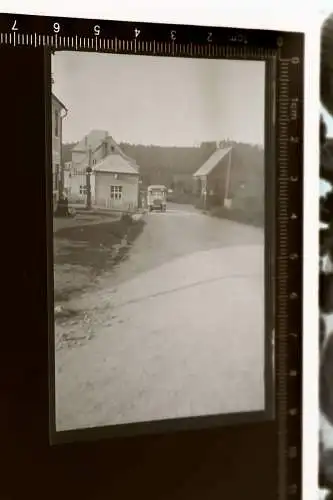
column 156, row 198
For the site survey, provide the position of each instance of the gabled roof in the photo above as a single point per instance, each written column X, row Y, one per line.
column 91, row 141
column 212, row 162
column 58, row 101
column 115, row 163
column 119, row 151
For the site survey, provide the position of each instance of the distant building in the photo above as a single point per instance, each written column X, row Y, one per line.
column 59, row 111
column 114, row 178
column 213, row 178
column 183, row 183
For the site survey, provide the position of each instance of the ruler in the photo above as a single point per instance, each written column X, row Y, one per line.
column 289, row 261
column 284, row 53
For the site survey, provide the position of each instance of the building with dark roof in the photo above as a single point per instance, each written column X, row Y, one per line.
column 213, row 178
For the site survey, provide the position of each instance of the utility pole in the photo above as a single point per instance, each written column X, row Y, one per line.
column 227, row 181
column 88, row 180
column 204, row 186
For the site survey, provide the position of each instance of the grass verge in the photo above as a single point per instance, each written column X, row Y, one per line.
column 82, row 253
column 254, row 218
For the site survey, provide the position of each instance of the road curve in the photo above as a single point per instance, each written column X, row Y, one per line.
column 177, row 328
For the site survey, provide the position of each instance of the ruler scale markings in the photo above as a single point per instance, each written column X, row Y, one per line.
column 283, row 149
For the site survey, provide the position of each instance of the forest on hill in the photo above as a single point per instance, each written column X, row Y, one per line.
column 160, row 165
column 169, row 165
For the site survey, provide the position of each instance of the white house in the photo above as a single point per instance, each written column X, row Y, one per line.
column 98, row 144
column 115, row 184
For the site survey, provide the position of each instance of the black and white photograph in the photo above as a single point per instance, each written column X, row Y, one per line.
column 158, row 194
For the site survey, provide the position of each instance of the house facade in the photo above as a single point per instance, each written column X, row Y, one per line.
column 233, row 176
column 115, row 184
column 113, row 177
column 59, row 111
column 91, row 150
column 213, row 179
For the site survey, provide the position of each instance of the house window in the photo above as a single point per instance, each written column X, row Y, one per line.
column 83, row 190
column 116, row 192
column 94, row 161
column 56, row 123
column 112, row 149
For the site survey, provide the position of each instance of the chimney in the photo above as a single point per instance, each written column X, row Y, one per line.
column 86, row 141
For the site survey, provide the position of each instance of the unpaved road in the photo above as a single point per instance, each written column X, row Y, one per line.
column 177, row 328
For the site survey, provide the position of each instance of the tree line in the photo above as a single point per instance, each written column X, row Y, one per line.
column 165, row 165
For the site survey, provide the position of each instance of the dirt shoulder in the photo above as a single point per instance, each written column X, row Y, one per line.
column 86, row 247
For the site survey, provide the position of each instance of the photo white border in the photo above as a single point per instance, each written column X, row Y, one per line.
column 260, row 14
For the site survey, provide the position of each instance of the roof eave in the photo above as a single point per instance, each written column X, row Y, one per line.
column 105, row 171
column 59, row 102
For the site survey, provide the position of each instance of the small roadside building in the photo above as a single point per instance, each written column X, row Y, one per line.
column 115, row 184
column 212, row 179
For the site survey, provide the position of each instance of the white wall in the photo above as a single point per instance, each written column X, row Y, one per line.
column 130, row 191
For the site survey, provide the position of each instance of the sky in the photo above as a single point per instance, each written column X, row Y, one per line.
column 160, row 100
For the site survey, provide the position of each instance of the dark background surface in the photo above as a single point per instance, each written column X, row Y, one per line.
column 230, row 463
